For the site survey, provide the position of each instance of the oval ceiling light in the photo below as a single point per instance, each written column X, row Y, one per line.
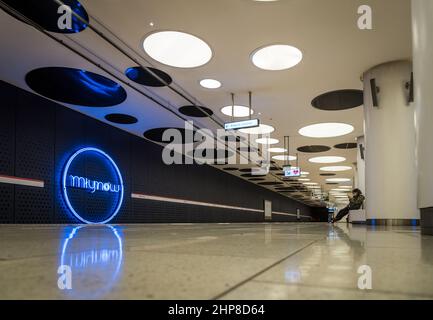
column 267, row 141
column 177, row 49
column 284, row 158
column 305, row 173
column 276, row 57
column 262, row 129
column 210, row 84
column 277, row 150
column 345, row 187
column 310, row 183
column 304, row 180
column 338, row 180
column 336, row 168
column 326, row 130
column 328, row 159
column 240, row 111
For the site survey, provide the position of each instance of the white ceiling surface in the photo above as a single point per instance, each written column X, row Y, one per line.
column 335, row 51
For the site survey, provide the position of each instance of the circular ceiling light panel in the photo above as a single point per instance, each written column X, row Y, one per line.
column 196, row 112
column 310, row 183
column 338, row 180
column 267, row 141
column 210, row 84
column 276, row 57
column 336, row 168
column 277, row 150
column 76, row 86
column 284, row 158
column 262, row 129
column 328, row 159
column 177, row 49
column 304, row 180
column 339, row 100
column 149, row 77
column 326, row 130
column 239, row 111
column 305, row 173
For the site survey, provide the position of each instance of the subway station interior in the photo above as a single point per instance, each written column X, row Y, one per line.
column 216, row 150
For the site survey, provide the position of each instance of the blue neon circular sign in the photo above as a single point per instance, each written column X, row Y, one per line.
column 92, row 186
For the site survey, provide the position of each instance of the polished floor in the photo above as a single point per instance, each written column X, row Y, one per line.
column 214, row 261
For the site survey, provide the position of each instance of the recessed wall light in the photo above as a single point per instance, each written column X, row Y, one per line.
column 262, row 129
column 276, row 57
column 326, row 130
column 239, row 111
column 284, row 158
column 267, row 141
column 277, row 150
column 328, row 159
column 177, row 49
column 336, row 168
column 210, row 84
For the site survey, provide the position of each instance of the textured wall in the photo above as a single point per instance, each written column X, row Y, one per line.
column 37, row 135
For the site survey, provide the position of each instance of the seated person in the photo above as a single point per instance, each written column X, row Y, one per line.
column 355, row 203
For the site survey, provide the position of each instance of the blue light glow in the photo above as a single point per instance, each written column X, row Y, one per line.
column 119, row 188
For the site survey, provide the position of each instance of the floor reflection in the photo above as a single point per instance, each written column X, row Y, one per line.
column 94, row 255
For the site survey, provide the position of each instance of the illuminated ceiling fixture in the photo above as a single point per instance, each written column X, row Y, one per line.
column 284, row 158
column 305, row 173
column 345, row 187
column 336, row 168
column 267, row 141
column 210, row 84
column 338, row 180
column 239, row 111
column 177, row 49
column 262, row 129
column 328, row 159
column 340, row 190
column 277, row 150
column 326, row 130
column 276, row 57
column 304, row 180
column 310, row 183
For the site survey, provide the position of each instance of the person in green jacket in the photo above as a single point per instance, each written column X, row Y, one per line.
column 355, row 203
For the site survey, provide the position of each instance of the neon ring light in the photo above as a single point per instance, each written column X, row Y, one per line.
column 65, row 191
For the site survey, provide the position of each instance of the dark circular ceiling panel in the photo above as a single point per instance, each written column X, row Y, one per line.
column 156, row 134
column 211, row 154
column 230, row 169
column 121, row 118
column 256, row 179
column 270, row 183
column 232, row 138
column 77, row 87
column 145, row 76
column 246, row 170
column 314, row 149
column 348, row 145
column 339, row 100
column 51, row 16
column 196, row 112
column 328, row 174
column 249, row 175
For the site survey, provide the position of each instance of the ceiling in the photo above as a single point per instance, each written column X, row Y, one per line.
column 335, row 54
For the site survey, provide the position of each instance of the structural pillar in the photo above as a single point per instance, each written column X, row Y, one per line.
column 422, row 26
column 390, row 168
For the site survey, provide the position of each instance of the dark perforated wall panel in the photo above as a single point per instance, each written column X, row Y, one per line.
column 37, row 136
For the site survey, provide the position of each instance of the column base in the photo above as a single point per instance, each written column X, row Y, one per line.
column 427, row 221
column 394, row 222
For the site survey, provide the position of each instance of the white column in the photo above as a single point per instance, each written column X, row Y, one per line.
column 390, row 169
column 360, row 166
column 422, row 26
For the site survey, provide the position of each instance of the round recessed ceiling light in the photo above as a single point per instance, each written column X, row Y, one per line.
column 328, row 159
column 326, row 130
column 304, row 180
column 276, row 57
column 338, row 180
column 267, row 141
column 177, row 49
column 284, row 158
column 305, row 173
column 277, row 150
column 345, row 187
column 336, row 168
column 262, row 129
column 210, row 84
column 239, row 111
